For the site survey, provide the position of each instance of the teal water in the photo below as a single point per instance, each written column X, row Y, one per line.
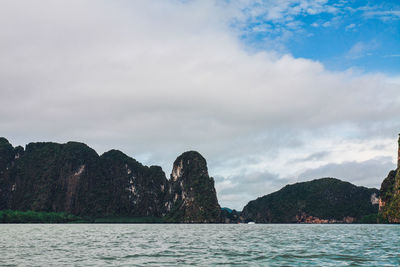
column 199, row 245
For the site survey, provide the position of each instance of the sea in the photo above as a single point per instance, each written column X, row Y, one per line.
column 199, row 245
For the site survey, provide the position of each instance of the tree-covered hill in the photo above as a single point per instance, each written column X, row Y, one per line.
column 317, row 201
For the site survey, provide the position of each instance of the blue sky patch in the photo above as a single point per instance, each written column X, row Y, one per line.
column 341, row 34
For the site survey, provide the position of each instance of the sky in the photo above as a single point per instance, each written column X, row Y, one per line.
column 269, row 92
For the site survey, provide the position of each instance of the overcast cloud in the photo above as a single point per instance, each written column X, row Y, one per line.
column 156, row 78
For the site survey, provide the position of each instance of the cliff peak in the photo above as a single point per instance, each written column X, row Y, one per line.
column 190, row 163
column 4, row 141
column 191, row 154
column 114, row 153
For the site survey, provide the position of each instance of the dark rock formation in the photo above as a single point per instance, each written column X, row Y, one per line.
column 325, row 200
column 56, row 177
column 133, row 189
column 73, row 178
column 192, row 196
column 389, row 202
column 7, row 157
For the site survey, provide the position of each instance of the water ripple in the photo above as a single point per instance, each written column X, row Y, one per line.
column 199, row 245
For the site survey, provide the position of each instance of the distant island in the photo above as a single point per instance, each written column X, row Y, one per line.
column 61, row 183
column 325, row 200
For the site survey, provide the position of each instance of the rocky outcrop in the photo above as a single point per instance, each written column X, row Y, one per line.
column 7, row 157
column 387, row 188
column 325, row 200
column 389, row 201
column 192, row 196
column 73, row 178
column 56, row 177
column 133, row 189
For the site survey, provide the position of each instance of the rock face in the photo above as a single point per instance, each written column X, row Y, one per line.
column 325, row 200
column 389, row 202
column 192, row 196
column 73, row 178
column 7, row 157
column 55, row 177
column 133, row 189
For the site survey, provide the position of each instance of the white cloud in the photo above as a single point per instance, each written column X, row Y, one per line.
column 350, row 27
column 383, row 14
column 157, row 78
column 326, row 24
column 361, row 49
column 277, row 12
column 364, row 173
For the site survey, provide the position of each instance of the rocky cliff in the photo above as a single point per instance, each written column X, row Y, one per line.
column 192, row 196
column 131, row 188
column 73, row 178
column 325, row 200
column 389, row 202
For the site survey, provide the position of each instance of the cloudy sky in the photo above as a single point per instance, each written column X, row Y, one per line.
column 269, row 92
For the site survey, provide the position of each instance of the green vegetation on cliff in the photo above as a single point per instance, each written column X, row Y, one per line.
column 390, row 198
column 389, row 208
column 15, row 216
column 73, row 178
column 12, row 216
column 322, row 199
